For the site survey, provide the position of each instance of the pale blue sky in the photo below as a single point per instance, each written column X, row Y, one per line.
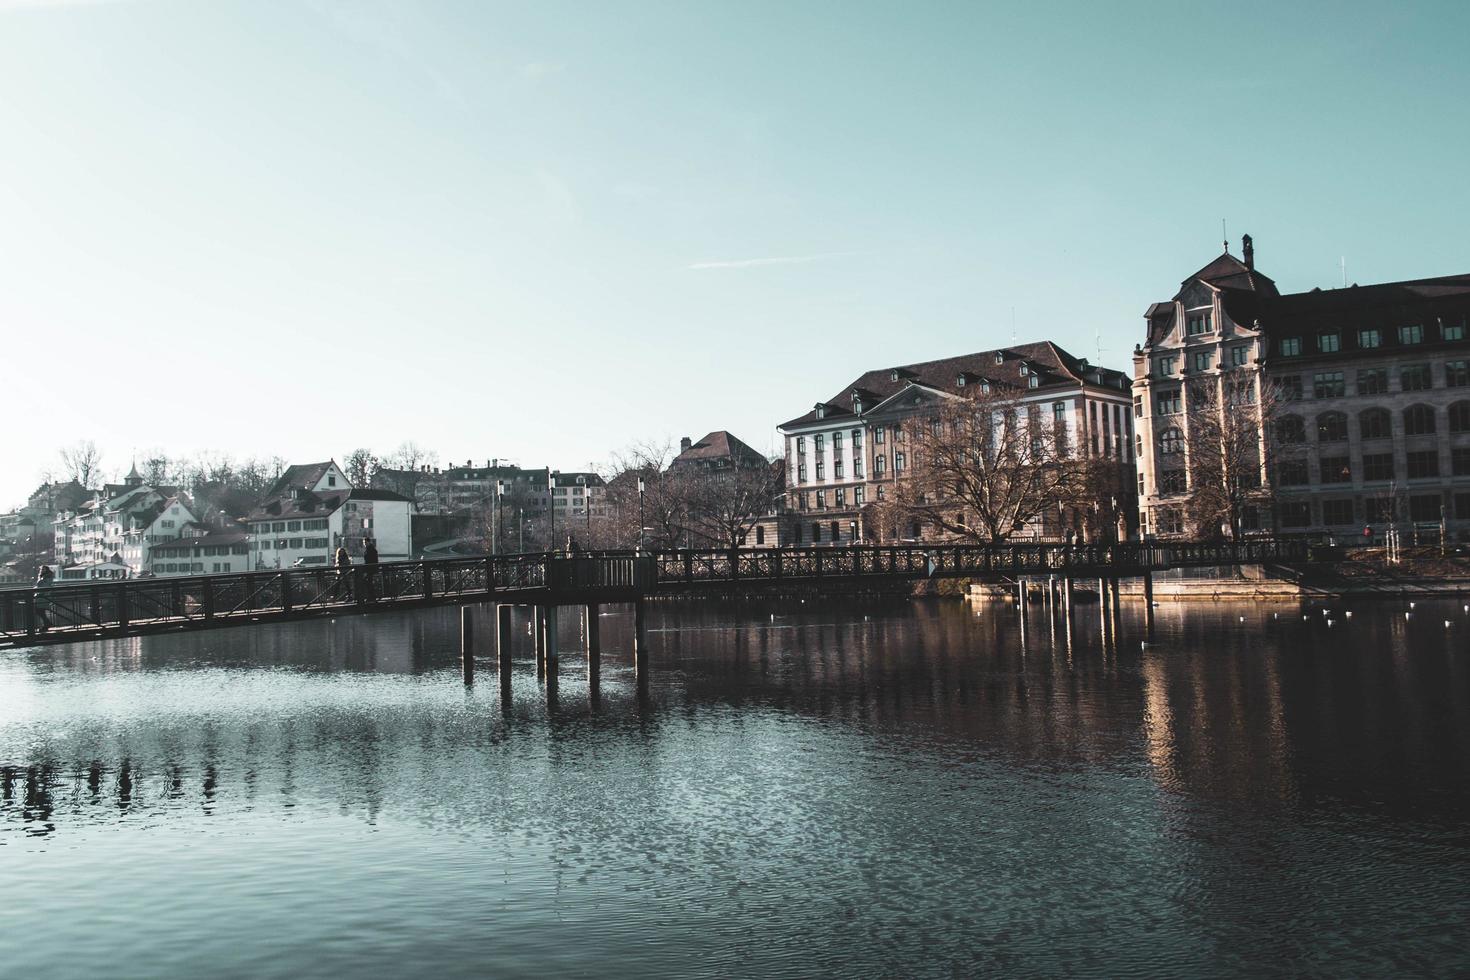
column 541, row 231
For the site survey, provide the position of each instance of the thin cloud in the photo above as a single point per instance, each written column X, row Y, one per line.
column 768, row 260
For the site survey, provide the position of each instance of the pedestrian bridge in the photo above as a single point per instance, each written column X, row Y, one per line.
column 131, row 607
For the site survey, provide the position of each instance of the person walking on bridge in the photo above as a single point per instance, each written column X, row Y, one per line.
column 41, row 603
column 370, row 573
column 344, row 573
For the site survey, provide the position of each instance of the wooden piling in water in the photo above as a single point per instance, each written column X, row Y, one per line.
column 594, row 641
column 1148, row 603
column 640, row 639
column 503, row 639
column 467, row 643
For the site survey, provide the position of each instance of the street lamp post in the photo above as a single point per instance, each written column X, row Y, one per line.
column 640, row 515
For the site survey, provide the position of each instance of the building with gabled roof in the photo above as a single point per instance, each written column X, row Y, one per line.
column 312, row 509
column 1375, row 429
column 846, row 452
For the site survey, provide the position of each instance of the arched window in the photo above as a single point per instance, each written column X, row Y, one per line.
column 1289, row 429
column 1332, row 427
column 1172, row 441
column 1460, row 417
column 1418, row 420
column 1375, row 423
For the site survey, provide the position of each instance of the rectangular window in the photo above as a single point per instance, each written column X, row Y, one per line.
column 801, row 445
column 858, row 496
column 1369, row 339
column 1165, row 403
column 1202, row 360
column 880, row 465
column 837, row 442
column 1328, row 343
column 878, row 435
column 1454, row 331
column 1424, row 508
column 1328, row 384
column 898, row 462
column 1372, row 381
column 1335, row 469
column 1460, row 461
column 1292, row 473
column 837, row 469
column 1415, row 377
column 1411, row 334
column 818, row 442
column 1462, row 506
column 821, row 500
column 1423, row 465
column 1138, row 406
column 1378, row 466
column 1337, row 513
column 293, row 525
column 821, row 470
column 1239, row 355
column 857, row 468
column 1171, row 481
column 1198, row 323
column 1296, row 513
column 840, row 497
column 1289, row 346
column 898, row 433
column 1456, row 373
column 1291, row 387
column 801, row 473
column 857, row 439
column 1378, row 509
column 1164, row 366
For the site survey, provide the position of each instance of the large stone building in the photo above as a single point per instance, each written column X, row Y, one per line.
column 847, row 451
column 1365, row 395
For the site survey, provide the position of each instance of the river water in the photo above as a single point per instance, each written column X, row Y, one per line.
column 887, row 788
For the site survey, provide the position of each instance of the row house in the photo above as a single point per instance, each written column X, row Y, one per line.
column 111, row 535
column 312, row 510
column 847, row 451
column 578, row 498
column 1369, row 388
column 202, row 551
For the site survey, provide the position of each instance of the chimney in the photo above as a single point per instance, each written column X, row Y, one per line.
column 684, row 444
column 1249, row 251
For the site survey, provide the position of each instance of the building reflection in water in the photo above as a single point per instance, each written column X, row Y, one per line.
column 364, row 713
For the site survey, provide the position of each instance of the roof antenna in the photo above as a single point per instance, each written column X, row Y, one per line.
column 1013, row 326
column 1225, row 235
column 1343, row 262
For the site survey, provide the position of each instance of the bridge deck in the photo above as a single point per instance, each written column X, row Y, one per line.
column 95, row 610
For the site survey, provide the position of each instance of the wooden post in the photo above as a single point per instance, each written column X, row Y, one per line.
column 467, row 643
column 206, row 598
column 1117, row 605
column 640, row 639
column 538, row 637
column 1102, row 609
column 549, row 643
column 503, row 639
column 1148, row 603
column 1067, row 598
column 122, row 605
column 594, row 639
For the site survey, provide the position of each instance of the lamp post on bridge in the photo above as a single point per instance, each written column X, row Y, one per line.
column 640, row 516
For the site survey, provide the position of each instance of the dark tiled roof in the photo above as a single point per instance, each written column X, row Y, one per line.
column 304, row 504
column 301, row 475
column 1052, row 364
column 1228, row 272
column 378, row 495
column 582, row 479
column 717, row 445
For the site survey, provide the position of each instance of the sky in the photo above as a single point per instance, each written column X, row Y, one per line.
column 542, row 232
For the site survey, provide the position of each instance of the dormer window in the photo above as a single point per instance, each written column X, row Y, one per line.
column 1023, row 369
column 821, row 410
column 893, row 375
column 985, row 387
column 959, row 381
column 857, row 403
column 1033, row 382
column 1000, row 357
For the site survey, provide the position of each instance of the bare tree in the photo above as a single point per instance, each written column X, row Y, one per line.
column 722, row 506
column 360, row 465
column 82, row 462
column 982, row 466
column 410, row 456
column 660, row 506
column 1234, row 432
